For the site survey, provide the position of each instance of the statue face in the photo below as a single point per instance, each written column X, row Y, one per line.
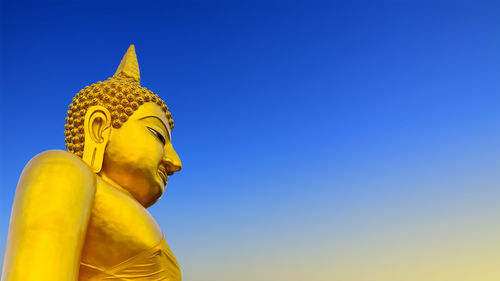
column 139, row 156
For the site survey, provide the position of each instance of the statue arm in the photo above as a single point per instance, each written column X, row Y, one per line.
column 49, row 219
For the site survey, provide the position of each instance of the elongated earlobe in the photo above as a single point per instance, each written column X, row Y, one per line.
column 97, row 128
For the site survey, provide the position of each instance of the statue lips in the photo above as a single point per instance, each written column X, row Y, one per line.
column 163, row 175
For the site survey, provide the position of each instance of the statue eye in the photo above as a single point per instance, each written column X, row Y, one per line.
column 158, row 135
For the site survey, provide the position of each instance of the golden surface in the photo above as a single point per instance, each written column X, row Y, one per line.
column 129, row 65
column 81, row 215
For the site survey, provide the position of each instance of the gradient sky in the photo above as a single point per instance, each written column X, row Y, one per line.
column 335, row 140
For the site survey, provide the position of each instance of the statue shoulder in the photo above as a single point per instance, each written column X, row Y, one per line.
column 52, row 159
column 56, row 168
column 50, row 214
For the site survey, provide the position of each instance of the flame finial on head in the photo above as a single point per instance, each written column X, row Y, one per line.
column 129, row 65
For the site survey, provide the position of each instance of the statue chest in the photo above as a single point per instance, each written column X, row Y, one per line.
column 119, row 228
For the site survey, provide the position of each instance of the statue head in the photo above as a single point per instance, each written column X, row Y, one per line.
column 123, row 132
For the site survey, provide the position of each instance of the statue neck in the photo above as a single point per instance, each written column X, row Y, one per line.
column 112, row 183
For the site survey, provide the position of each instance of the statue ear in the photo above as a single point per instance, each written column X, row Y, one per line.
column 97, row 128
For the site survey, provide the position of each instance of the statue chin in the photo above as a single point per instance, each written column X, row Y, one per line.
column 143, row 191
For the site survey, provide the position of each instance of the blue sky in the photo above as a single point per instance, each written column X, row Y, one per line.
column 320, row 140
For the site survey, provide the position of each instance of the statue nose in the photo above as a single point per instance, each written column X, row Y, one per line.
column 171, row 160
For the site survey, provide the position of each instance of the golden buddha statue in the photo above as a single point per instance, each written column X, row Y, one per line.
column 81, row 215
